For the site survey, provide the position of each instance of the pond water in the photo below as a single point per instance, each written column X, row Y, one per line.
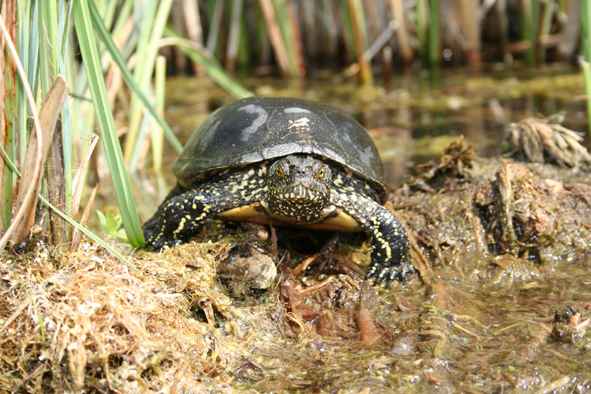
column 414, row 117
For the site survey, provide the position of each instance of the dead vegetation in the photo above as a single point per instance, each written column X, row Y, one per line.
column 541, row 140
column 497, row 256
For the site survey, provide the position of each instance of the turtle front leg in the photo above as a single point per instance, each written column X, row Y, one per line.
column 389, row 257
column 183, row 212
column 179, row 218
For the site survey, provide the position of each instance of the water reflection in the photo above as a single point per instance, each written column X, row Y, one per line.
column 413, row 119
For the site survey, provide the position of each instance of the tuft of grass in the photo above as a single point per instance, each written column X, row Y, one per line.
column 88, row 50
column 151, row 30
column 106, row 38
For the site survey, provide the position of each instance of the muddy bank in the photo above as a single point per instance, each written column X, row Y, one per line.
column 500, row 302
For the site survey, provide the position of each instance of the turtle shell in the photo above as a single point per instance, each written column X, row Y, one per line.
column 256, row 129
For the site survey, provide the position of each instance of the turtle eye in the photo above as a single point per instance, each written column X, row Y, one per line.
column 320, row 173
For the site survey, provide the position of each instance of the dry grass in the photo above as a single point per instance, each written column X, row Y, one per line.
column 106, row 327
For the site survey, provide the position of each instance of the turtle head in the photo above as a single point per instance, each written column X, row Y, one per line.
column 299, row 188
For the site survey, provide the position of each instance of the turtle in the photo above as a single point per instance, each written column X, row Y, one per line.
column 287, row 162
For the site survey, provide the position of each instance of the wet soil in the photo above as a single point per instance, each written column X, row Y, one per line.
column 500, row 302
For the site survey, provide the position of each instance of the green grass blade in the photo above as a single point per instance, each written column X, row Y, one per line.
column 211, row 65
column 141, row 71
column 89, row 233
column 33, row 57
column 66, row 129
column 24, row 13
column 49, row 44
column 434, row 33
column 157, row 136
column 421, row 12
column 8, row 191
column 88, row 49
column 149, row 61
column 131, row 83
column 65, row 12
column 39, row 315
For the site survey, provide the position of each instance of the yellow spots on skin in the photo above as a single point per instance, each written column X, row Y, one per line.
column 180, row 227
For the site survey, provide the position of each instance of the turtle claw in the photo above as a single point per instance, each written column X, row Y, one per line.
column 383, row 272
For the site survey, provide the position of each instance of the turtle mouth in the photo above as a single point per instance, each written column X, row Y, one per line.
column 299, row 203
column 300, row 191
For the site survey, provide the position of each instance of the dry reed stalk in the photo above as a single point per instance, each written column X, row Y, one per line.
column 76, row 234
column 37, row 151
column 309, row 12
column 470, row 30
column 177, row 19
column 79, row 178
column 404, row 45
column 216, row 21
column 194, row 29
column 365, row 74
column 276, row 37
column 387, row 62
column 572, row 31
column 113, row 82
column 56, row 193
column 503, row 21
column 297, row 36
column 234, row 36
